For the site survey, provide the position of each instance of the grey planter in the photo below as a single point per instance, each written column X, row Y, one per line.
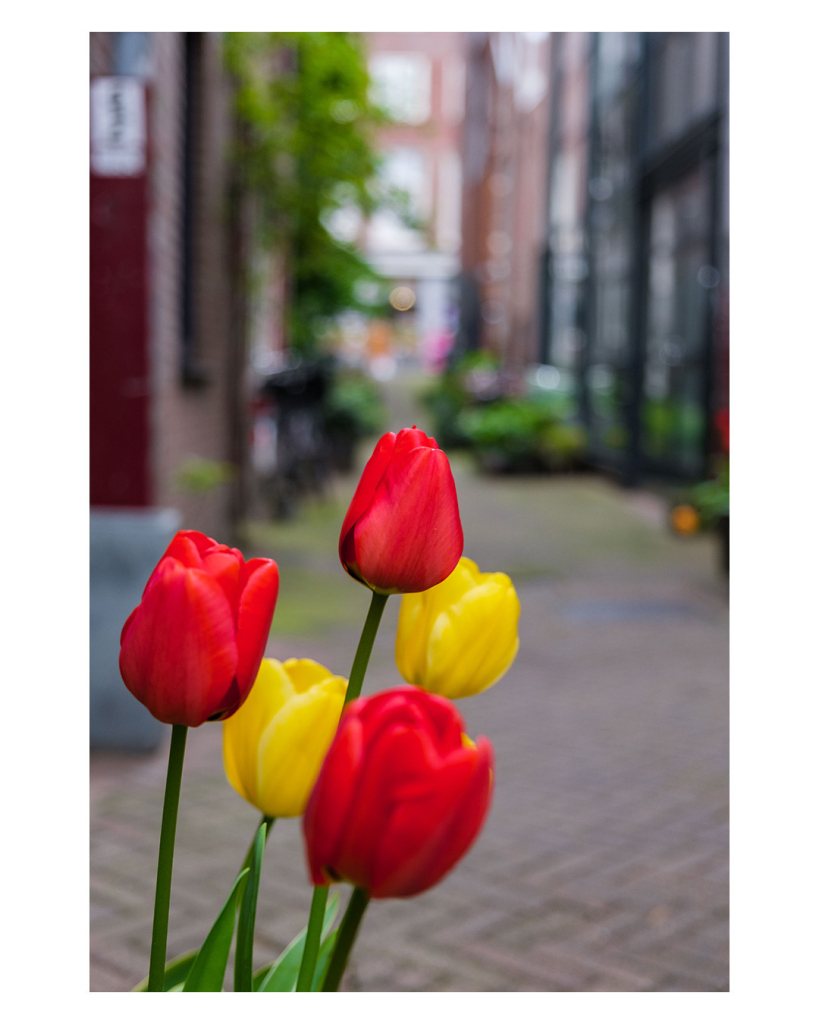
column 125, row 547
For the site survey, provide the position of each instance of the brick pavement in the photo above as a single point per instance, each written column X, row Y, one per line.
column 604, row 862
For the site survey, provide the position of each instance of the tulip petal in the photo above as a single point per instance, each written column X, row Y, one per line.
column 293, row 746
column 383, row 710
column 425, row 839
column 414, row 818
column 409, row 438
column 464, row 824
column 260, row 588
column 179, row 655
column 225, row 568
column 274, row 745
column 397, row 759
column 444, row 722
column 242, row 732
column 329, row 803
column 461, row 831
column 411, row 537
column 304, row 674
column 415, row 621
column 401, row 796
column 436, row 716
column 127, row 625
column 459, row 637
column 202, row 542
column 365, row 492
column 188, row 546
column 474, row 642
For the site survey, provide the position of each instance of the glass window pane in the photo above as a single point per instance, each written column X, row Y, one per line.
column 685, row 82
column 610, row 239
column 402, row 84
column 678, row 281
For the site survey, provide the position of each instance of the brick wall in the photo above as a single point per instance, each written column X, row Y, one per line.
column 190, row 421
column 101, row 47
column 505, row 149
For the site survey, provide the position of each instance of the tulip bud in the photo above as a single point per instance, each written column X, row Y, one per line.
column 275, row 743
column 191, row 649
column 460, row 637
column 401, row 796
column 402, row 533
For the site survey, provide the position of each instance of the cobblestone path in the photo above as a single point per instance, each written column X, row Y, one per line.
column 604, row 862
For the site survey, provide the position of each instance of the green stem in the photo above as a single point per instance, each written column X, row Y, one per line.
column 346, row 937
column 164, row 867
column 312, row 940
column 266, row 820
column 365, row 646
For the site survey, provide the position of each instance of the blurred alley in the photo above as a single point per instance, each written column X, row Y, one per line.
column 603, row 865
column 518, row 242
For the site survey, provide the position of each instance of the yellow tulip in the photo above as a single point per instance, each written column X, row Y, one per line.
column 274, row 745
column 461, row 636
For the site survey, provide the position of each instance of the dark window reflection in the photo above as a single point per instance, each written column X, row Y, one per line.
column 685, row 79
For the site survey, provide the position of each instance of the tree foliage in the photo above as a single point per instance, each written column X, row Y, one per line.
column 306, row 150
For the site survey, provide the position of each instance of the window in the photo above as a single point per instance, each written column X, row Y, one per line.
column 454, row 89
column 402, row 85
column 679, row 277
column 404, row 169
column 448, row 206
column 611, row 253
column 686, row 82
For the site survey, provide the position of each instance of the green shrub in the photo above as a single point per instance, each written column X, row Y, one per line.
column 521, row 434
column 529, row 432
column 197, row 475
column 455, row 390
column 711, row 498
column 354, row 406
column 563, row 444
column 445, row 400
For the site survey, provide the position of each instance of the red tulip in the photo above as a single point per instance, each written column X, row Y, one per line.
column 401, row 795
column 402, row 533
column 191, row 650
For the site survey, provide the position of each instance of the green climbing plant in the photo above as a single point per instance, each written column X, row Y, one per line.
column 306, row 150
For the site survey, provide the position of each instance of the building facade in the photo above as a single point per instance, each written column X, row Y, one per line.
column 653, row 370
column 167, row 363
column 418, row 78
column 504, row 232
column 169, row 385
column 627, row 236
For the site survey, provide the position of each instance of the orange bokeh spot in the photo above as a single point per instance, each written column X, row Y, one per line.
column 685, row 519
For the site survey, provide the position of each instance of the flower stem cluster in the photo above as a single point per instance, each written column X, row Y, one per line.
column 392, row 791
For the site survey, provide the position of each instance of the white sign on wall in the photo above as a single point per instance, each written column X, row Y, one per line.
column 118, row 134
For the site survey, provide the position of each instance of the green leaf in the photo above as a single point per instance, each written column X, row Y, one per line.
column 176, row 972
column 243, row 974
column 323, row 960
column 208, row 970
column 282, row 975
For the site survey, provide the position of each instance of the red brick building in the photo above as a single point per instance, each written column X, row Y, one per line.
column 504, row 195
column 167, row 356
column 169, row 325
